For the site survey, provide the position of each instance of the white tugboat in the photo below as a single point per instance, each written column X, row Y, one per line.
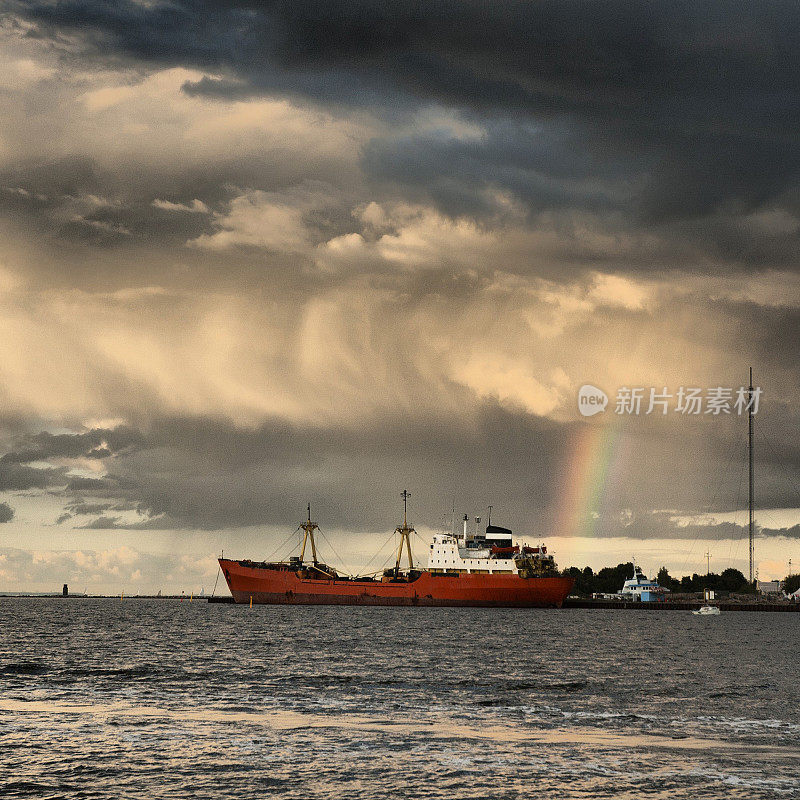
column 641, row 589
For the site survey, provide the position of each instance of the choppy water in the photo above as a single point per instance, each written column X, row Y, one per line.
column 163, row 699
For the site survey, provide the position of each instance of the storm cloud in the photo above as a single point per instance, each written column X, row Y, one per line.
column 673, row 112
column 256, row 254
column 206, row 474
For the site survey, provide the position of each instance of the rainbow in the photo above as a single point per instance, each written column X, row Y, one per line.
column 588, row 477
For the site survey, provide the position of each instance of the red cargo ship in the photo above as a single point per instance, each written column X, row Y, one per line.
column 481, row 570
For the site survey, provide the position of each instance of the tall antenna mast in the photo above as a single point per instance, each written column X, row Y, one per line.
column 750, row 453
column 489, row 520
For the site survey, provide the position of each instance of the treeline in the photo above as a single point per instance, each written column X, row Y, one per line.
column 609, row 580
column 729, row 580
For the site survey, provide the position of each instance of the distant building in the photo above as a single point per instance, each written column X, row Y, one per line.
column 65, row 591
column 769, row 587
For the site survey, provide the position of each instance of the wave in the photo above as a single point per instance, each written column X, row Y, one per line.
column 502, row 685
column 136, row 671
column 24, row 668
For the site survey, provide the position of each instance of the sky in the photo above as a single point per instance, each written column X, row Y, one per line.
column 259, row 254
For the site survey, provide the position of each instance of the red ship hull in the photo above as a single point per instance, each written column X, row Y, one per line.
column 271, row 584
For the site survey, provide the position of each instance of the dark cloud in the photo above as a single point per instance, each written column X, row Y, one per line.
column 101, row 523
column 115, row 523
column 100, row 444
column 6, row 512
column 44, row 183
column 544, row 167
column 770, row 333
column 560, row 56
column 221, row 476
column 93, row 484
column 206, row 473
column 701, row 103
column 670, row 525
column 80, row 507
column 16, row 477
column 97, row 443
column 73, row 198
column 793, row 532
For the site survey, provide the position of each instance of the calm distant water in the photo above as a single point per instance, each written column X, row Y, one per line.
column 162, row 699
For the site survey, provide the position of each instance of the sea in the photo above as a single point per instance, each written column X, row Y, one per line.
column 135, row 698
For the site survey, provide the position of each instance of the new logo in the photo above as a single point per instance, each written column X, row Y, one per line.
column 591, row 400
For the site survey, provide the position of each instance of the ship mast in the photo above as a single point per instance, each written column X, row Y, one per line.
column 750, row 454
column 405, row 536
column 308, row 535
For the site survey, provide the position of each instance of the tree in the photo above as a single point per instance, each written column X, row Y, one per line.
column 732, row 580
column 584, row 580
column 791, row 583
column 610, row 579
column 667, row 581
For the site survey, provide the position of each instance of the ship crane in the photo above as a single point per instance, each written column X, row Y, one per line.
column 308, row 536
column 405, row 536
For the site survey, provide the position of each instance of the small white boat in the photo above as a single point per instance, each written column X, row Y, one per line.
column 706, row 611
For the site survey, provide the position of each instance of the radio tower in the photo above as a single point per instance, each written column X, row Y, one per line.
column 750, row 453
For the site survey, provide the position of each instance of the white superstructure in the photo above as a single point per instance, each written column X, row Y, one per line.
column 491, row 553
column 640, row 588
column 446, row 556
